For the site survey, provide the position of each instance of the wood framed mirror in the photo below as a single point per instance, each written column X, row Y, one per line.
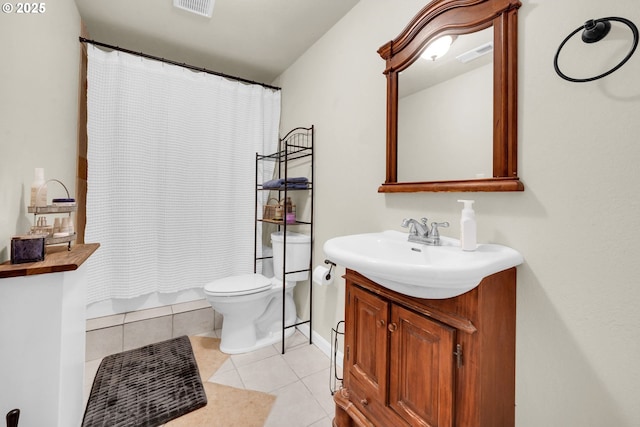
column 455, row 18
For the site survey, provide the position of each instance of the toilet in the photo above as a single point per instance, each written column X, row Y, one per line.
column 251, row 304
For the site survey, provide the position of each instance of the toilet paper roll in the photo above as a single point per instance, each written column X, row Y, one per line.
column 321, row 276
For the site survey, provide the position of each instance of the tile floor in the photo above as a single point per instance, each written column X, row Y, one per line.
column 299, row 379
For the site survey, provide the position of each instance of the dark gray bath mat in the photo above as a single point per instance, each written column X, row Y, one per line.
column 145, row 387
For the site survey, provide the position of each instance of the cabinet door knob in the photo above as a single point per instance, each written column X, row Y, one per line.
column 381, row 323
column 364, row 402
column 392, row 327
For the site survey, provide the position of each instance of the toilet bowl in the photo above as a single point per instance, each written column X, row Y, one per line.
column 251, row 304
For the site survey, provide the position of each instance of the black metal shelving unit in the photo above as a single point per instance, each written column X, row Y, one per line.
column 295, row 147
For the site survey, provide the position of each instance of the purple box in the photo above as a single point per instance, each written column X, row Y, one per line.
column 28, row 248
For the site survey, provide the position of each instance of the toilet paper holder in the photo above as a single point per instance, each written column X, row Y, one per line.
column 331, row 265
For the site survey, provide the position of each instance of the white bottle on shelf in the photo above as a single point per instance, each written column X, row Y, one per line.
column 39, row 189
column 468, row 227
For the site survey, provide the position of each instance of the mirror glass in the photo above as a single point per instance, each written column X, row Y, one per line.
column 445, row 113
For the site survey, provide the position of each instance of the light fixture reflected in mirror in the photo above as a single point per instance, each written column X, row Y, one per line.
column 438, row 48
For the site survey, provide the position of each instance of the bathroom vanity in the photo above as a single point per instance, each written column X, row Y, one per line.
column 428, row 362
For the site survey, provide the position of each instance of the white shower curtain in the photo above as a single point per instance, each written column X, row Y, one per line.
column 171, row 174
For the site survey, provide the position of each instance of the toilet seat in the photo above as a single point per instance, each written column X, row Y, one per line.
column 244, row 284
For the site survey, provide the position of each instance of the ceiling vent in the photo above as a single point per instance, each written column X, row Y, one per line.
column 199, row 7
column 475, row 53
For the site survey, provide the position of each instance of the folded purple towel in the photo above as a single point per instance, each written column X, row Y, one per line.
column 298, row 179
column 274, row 183
column 299, row 182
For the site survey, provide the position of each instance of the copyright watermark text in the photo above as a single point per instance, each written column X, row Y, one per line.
column 24, row 8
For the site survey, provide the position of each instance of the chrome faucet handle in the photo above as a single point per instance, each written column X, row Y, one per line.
column 416, row 228
column 408, row 223
column 434, row 228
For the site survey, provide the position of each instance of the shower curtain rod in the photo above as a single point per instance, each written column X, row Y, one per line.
column 168, row 61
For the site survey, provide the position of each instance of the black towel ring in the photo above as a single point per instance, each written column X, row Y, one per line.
column 595, row 30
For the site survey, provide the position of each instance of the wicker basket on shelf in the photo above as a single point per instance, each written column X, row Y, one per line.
column 271, row 211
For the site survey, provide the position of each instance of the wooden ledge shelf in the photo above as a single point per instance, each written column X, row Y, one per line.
column 57, row 259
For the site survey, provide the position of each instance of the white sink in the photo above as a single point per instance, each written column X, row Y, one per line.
column 417, row 270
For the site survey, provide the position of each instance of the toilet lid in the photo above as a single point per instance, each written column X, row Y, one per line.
column 239, row 285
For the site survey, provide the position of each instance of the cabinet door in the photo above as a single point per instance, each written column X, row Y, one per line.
column 421, row 378
column 367, row 343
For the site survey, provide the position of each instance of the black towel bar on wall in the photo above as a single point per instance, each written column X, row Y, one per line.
column 593, row 31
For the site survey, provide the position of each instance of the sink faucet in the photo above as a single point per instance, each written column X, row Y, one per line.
column 419, row 231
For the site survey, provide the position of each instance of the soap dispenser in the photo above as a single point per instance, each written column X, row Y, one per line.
column 468, row 230
column 39, row 189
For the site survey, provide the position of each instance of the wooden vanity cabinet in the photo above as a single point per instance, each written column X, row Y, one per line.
column 428, row 363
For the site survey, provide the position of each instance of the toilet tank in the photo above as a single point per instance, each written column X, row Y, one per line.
column 298, row 255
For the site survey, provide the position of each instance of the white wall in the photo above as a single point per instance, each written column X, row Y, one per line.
column 40, row 57
column 577, row 223
column 42, row 330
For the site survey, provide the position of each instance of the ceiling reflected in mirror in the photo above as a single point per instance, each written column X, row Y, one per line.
column 465, row 53
column 445, row 111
